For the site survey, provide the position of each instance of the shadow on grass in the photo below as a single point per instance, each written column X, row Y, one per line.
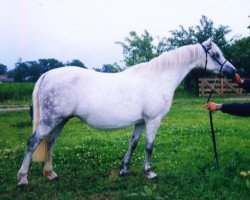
column 21, row 124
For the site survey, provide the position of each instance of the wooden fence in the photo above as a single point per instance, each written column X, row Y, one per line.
column 222, row 87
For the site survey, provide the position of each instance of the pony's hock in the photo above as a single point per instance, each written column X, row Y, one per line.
column 141, row 95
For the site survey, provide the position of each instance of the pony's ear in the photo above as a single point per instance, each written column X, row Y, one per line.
column 208, row 43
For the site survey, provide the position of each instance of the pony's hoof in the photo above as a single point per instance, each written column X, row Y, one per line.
column 151, row 175
column 22, row 178
column 124, row 172
column 50, row 175
column 21, row 187
column 22, row 183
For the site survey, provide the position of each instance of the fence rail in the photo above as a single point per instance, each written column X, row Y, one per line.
column 221, row 87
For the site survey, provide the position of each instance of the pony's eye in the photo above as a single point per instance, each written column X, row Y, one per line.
column 217, row 55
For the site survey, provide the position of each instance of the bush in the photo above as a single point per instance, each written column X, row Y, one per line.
column 16, row 91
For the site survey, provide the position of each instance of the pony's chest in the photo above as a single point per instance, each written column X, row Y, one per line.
column 157, row 104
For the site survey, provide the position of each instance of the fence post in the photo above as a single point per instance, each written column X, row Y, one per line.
column 202, row 87
column 221, row 86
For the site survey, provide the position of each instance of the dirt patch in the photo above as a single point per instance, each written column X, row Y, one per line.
column 113, row 175
column 7, row 109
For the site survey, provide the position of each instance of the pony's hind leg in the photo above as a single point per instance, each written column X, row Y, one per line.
column 34, row 140
column 48, row 171
column 41, row 133
column 124, row 169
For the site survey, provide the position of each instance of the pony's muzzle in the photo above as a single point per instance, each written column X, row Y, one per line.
column 229, row 70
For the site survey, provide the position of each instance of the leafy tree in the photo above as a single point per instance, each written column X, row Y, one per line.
column 137, row 49
column 198, row 34
column 162, row 46
column 35, row 70
column 106, row 68
column 10, row 73
column 239, row 54
column 21, row 71
column 116, row 68
column 109, row 68
column 113, row 68
column 3, row 69
column 32, row 70
column 48, row 64
column 76, row 62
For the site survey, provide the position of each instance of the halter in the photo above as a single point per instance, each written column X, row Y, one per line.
column 213, row 57
column 210, row 94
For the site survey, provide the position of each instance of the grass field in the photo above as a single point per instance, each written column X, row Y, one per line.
column 87, row 160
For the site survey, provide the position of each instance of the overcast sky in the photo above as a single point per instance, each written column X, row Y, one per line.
column 88, row 29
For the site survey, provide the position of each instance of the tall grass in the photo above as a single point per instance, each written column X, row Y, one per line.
column 16, row 91
column 20, row 92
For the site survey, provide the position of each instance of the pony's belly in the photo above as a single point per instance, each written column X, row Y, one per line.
column 110, row 124
column 108, row 116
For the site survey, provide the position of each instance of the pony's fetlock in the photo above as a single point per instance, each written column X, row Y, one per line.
column 22, row 178
column 150, row 175
column 124, row 171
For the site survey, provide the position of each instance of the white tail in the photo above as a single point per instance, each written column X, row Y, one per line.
column 39, row 153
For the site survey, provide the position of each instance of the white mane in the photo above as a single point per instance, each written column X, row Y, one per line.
column 167, row 60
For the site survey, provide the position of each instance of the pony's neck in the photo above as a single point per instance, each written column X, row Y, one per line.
column 182, row 60
column 172, row 67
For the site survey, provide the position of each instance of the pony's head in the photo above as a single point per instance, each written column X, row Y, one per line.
column 215, row 60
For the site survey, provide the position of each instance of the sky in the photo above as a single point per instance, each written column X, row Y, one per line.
column 88, row 29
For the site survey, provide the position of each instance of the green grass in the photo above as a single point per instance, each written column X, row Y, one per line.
column 87, row 160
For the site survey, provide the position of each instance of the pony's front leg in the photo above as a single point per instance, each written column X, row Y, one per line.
column 124, row 169
column 151, row 130
column 32, row 144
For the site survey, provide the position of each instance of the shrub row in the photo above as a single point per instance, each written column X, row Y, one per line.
column 16, row 91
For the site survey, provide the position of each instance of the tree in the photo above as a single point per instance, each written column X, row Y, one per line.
column 109, row 68
column 48, row 64
column 35, row 70
column 77, row 63
column 239, row 55
column 116, row 68
column 106, row 68
column 112, row 68
column 3, row 69
column 21, row 71
column 137, row 49
column 198, row 34
column 32, row 70
column 11, row 73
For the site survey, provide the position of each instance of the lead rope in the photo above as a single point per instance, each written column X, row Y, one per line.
column 212, row 126
column 210, row 112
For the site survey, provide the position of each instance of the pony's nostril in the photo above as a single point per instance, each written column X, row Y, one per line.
column 229, row 71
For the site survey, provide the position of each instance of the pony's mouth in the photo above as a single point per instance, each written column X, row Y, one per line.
column 228, row 71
